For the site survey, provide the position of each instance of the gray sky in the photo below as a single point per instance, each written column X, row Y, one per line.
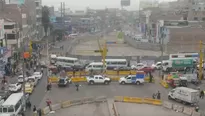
column 95, row 4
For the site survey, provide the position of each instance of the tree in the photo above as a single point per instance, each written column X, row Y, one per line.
column 45, row 19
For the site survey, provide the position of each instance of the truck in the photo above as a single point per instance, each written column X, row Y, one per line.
column 184, row 95
column 133, row 79
column 177, row 64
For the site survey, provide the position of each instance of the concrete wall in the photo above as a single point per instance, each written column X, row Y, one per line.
column 142, row 45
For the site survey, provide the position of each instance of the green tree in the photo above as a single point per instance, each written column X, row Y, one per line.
column 45, row 19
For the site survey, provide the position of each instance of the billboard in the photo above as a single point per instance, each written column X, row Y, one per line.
column 147, row 3
column 125, row 2
column 19, row 2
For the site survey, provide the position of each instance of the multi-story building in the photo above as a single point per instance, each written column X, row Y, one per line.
column 39, row 29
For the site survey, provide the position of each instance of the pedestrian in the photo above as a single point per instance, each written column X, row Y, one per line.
column 39, row 112
column 42, row 70
column 197, row 109
column 77, row 86
column 48, row 103
column 202, row 94
column 158, row 95
column 34, row 69
column 22, row 113
column 34, row 108
column 48, row 87
column 153, row 96
column 28, row 104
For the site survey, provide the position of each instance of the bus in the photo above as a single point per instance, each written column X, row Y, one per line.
column 116, row 63
column 13, row 105
column 66, row 61
column 193, row 56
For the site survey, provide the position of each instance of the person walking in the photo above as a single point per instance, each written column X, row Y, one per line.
column 153, row 96
column 202, row 94
column 34, row 108
column 158, row 95
column 77, row 86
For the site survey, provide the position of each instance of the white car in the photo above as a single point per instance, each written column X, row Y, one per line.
column 38, row 75
column 20, row 78
column 98, row 79
column 15, row 87
column 157, row 65
column 138, row 66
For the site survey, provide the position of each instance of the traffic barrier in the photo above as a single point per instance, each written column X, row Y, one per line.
column 167, row 104
column 118, row 98
column 115, row 78
column 178, row 108
column 101, row 99
column 56, row 107
column 53, row 79
column 132, row 99
column 133, row 72
column 70, row 73
column 78, row 79
column 45, row 110
column 88, row 100
column 188, row 111
column 197, row 114
column 111, row 72
column 125, row 72
column 76, row 102
column 66, row 104
column 164, row 84
column 148, row 100
column 157, row 102
column 147, row 79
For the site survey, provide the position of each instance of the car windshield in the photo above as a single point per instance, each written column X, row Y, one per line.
column 31, row 80
column 61, row 81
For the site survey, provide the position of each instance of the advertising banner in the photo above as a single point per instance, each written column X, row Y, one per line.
column 19, row 2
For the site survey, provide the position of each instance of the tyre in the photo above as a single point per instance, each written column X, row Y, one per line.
column 91, row 82
column 122, row 83
column 106, row 82
column 138, row 83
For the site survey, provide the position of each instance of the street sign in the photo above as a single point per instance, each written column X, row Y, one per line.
column 120, row 35
column 182, row 63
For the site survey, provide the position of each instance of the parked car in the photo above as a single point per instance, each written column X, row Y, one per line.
column 157, row 66
column 147, row 69
column 64, row 82
column 33, row 80
column 15, row 87
column 29, row 87
column 20, row 78
column 138, row 66
column 38, row 75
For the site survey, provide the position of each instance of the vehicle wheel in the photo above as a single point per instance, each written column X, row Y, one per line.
column 138, row 83
column 122, row 83
column 106, row 82
column 91, row 82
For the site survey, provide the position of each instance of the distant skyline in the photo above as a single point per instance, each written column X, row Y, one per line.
column 93, row 4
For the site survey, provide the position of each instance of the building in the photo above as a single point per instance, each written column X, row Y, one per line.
column 39, row 28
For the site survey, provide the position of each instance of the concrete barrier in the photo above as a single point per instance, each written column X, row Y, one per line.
column 45, row 110
column 188, row 111
column 88, row 100
column 118, row 98
column 101, row 99
column 66, row 104
column 178, row 108
column 76, row 102
column 56, row 107
column 167, row 104
column 196, row 114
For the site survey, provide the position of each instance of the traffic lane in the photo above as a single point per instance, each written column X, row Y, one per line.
column 114, row 89
column 38, row 93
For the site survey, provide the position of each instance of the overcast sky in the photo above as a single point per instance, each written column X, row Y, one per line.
column 95, row 4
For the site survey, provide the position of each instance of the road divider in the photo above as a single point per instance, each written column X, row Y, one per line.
column 137, row 100
column 164, row 84
column 107, row 72
column 54, row 79
column 190, row 111
column 66, row 104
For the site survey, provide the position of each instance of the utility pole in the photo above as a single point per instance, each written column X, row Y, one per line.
column 201, row 60
column 162, row 50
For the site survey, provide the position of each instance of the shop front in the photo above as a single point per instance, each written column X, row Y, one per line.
column 5, row 64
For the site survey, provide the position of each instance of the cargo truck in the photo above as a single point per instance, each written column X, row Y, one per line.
column 177, row 64
column 184, row 95
column 133, row 79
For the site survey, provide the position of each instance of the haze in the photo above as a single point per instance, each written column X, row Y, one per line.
column 95, row 4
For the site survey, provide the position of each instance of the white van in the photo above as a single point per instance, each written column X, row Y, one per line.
column 95, row 66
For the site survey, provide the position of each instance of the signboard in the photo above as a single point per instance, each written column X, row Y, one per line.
column 148, row 3
column 19, row 2
column 182, row 63
column 125, row 2
column 120, row 35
